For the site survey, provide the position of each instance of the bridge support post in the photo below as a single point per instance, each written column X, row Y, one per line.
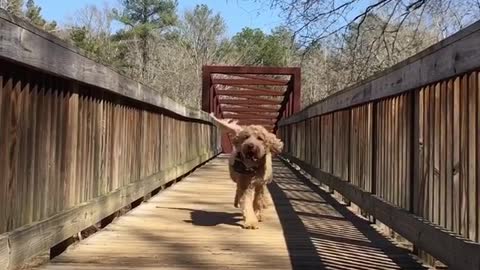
column 296, row 91
column 206, row 89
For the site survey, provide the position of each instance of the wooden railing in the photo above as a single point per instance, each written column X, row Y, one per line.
column 79, row 141
column 404, row 146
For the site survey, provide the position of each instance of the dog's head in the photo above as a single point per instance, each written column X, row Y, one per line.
column 254, row 142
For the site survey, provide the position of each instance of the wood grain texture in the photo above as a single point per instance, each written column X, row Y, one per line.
column 394, row 136
column 449, row 167
column 360, row 147
column 426, row 152
column 4, row 252
column 3, row 149
column 33, row 239
column 473, row 179
column 461, row 254
column 30, row 46
column 478, row 157
column 456, row 156
column 189, row 226
column 341, row 130
column 65, row 145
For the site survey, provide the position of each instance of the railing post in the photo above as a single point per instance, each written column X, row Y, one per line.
column 332, row 163
column 290, row 103
column 287, row 109
column 349, row 146
column 319, row 155
column 308, row 141
column 373, row 184
column 211, row 98
column 206, row 84
column 296, row 91
column 415, row 149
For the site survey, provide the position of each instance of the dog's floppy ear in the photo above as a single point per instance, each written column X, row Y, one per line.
column 273, row 143
column 227, row 125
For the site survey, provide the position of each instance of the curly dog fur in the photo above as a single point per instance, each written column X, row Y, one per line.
column 250, row 167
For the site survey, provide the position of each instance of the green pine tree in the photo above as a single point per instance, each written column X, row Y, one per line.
column 254, row 47
column 143, row 18
column 33, row 14
column 14, row 7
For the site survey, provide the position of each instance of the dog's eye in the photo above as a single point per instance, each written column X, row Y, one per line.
column 247, row 136
column 260, row 138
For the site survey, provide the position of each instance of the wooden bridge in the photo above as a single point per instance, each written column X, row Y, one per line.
column 383, row 175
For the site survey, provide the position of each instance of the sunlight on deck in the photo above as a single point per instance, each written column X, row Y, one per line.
column 193, row 225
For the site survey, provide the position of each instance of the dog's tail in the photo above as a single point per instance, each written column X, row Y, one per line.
column 227, row 125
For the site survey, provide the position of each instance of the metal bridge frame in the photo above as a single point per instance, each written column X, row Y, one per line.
column 251, row 94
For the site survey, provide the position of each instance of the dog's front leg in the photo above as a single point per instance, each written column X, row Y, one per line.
column 238, row 194
column 249, row 217
column 259, row 201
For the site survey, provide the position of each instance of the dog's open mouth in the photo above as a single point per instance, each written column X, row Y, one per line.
column 251, row 155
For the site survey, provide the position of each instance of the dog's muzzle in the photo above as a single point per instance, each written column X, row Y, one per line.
column 250, row 152
column 240, row 167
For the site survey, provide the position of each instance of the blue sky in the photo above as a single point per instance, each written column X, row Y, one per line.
column 236, row 13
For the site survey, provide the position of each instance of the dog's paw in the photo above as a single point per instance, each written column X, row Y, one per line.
column 250, row 226
column 259, row 217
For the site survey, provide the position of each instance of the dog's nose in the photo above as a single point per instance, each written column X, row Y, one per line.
column 250, row 146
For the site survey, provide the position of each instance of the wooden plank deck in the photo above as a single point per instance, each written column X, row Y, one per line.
column 193, row 225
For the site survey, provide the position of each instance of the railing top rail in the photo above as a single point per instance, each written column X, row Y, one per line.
column 25, row 44
column 454, row 55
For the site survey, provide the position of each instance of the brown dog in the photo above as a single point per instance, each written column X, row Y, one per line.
column 250, row 167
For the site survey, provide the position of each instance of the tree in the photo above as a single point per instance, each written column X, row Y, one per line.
column 254, row 47
column 91, row 30
column 248, row 45
column 343, row 60
column 180, row 56
column 280, row 49
column 33, row 14
column 202, row 33
column 314, row 21
column 378, row 44
column 342, row 42
column 144, row 19
column 13, row 6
